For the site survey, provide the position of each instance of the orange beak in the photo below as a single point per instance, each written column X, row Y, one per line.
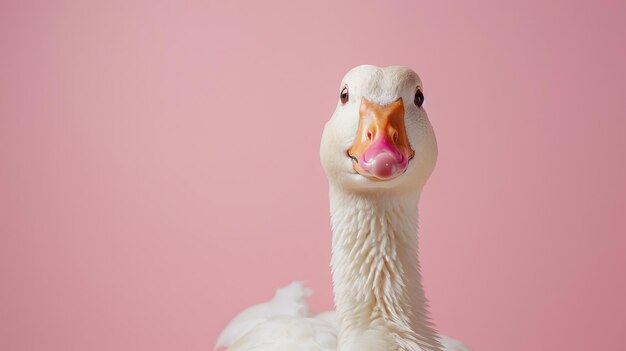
column 381, row 149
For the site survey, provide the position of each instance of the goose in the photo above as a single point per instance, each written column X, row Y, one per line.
column 377, row 151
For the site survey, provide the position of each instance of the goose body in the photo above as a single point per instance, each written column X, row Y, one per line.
column 377, row 150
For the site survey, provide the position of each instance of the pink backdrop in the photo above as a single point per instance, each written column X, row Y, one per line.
column 159, row 165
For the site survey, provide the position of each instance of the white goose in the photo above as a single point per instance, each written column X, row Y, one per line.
column 378, row 150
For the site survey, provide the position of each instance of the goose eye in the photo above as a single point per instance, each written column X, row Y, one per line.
column 344, row 96
column 419, row 98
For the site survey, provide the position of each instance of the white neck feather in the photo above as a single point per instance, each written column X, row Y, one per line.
column 376, row 274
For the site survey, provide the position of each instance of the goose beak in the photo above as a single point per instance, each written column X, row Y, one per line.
column 381, row 149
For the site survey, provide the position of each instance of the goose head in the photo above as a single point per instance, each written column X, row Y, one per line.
column 379, row 138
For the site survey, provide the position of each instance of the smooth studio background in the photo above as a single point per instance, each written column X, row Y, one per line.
column 159, row 165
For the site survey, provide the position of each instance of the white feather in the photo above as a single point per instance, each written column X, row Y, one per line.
column 290, row 300
column 288, row 328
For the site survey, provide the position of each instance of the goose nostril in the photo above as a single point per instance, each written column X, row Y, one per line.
column 369, row 135
column 395, row 136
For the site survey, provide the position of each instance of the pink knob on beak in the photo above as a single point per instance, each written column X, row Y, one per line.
column 384, row 166
column 383, row 160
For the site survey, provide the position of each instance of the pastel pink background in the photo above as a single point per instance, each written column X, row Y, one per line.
column 159, row 165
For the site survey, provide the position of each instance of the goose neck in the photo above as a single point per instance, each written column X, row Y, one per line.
column 376, row 277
